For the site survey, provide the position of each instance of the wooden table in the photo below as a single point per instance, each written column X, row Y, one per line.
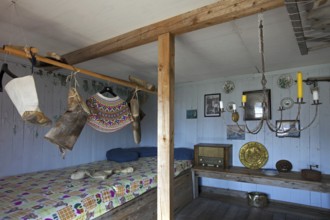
column 292, row 180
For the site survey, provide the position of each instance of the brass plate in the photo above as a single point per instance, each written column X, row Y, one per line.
column 253, row 155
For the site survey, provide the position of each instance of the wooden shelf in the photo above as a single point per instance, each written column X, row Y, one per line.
column 292, row 180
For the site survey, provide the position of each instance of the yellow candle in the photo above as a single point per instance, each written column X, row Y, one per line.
column 299, row 85
column 243, row 98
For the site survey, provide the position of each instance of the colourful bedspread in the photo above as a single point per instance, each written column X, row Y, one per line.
column 53, row 195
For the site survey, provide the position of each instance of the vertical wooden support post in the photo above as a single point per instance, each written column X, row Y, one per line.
column 165, row 169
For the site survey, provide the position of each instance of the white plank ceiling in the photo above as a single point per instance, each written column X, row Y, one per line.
column 227, row 49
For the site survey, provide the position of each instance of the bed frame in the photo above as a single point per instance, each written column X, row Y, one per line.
column 145, row 206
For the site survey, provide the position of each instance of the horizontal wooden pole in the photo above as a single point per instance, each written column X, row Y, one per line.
column 216, row 13
column 20, row 53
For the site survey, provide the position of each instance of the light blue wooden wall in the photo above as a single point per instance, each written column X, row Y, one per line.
column 311, row 148
column 23, row 147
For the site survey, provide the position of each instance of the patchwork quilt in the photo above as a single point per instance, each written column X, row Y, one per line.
column 53, row 195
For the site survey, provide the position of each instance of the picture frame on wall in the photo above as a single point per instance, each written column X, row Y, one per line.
column 212, row 105
column 233, row 132
column 291, row 126
column 191, row 114
column 253, row 105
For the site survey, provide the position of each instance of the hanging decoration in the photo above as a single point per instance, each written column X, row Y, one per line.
column 264, row 105
column 69, row 126
column 23, row 93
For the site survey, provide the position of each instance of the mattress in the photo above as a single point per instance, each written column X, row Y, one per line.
column 53, row 195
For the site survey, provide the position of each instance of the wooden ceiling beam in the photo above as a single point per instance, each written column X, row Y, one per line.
column 216, row 13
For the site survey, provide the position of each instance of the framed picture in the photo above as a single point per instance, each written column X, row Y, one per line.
column 253, row 105
column 233, row 132
column 212, row 105
column 191, row 114
column 288, row 128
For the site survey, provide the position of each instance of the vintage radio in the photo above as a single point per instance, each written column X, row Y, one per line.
column 213, row 155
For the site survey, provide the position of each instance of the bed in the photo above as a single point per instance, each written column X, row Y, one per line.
column 53, row 195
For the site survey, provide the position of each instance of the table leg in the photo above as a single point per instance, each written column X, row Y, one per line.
column 194, row 184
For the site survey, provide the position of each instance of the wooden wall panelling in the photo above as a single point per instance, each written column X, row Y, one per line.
column 269, row 136
column 324, row 122
column 300, row 146
column 192, row 124
column 183, row 126
column 201, row 128
column 50, row 108
column 313, row 145
column 165, row 143
column 6, row 131
column 179, row 109
column 28, row 151
column 11, row 131
column 17, row 130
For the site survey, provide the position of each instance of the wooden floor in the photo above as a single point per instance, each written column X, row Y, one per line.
column 210, row 206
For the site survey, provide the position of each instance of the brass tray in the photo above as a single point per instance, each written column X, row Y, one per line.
column 253, row 155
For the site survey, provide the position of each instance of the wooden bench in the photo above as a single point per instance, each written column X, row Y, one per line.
column 292, row 180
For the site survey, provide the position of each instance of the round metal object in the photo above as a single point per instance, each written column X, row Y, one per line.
column 283, row 166
column 253, row 155
column 257, row 199
column 285, row 81
column 228, row 87
column 270, row 172
column 287, row 103
column 235, row 117
column 229, row 106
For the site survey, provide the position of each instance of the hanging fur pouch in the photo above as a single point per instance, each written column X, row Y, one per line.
column 69, row 126
column 22, row 92
column 135, row 110
column 136, row 131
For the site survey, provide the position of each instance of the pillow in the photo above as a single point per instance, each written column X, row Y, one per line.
column 121, row 155
column 183, row 154
column 145, row 151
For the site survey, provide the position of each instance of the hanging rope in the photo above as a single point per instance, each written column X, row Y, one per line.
column 72, row 78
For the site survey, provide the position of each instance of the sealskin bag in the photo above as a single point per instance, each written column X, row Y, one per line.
column 69, row 126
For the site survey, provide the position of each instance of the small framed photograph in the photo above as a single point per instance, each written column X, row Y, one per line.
column 288, row 128
column 234, row 133
column 212, row 105
column 191, row 114
column 253, row 105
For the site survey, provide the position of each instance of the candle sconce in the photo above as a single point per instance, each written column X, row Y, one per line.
column 263, row 110
column 261, row 99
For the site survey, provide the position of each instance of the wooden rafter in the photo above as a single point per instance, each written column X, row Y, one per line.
column 293, row 11
column 216, row 13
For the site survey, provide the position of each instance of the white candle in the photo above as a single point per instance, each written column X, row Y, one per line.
column 315, row 95
column 234, row 107
column 221, row 105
